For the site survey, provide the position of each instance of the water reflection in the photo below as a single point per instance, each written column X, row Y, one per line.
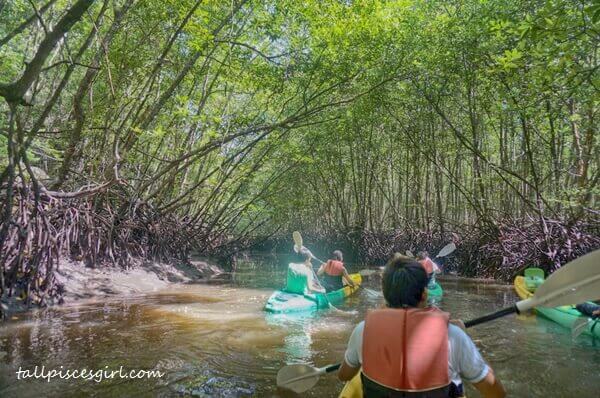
column 216, row 340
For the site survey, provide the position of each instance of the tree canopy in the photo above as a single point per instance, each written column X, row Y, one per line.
column 204, row 124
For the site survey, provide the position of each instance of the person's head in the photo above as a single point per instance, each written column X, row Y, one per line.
column 337, row 255
column 404, row 282
column 306, row 255
column 422, row 255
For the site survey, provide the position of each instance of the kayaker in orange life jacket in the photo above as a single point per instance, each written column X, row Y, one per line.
column 411, row 350
column 430, row 267
column 333, row 273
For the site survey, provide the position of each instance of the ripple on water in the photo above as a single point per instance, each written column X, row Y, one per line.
column 217, row 341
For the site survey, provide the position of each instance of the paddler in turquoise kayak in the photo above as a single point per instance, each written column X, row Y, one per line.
column 333, row 273
column 591, row 310
column 305, row 255
column 430, row 267
column 411, row 350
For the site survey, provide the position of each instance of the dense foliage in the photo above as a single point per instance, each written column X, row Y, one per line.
column 152, row 128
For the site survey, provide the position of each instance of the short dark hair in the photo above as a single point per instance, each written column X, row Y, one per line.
column 422, row 255
column 403, row 282
column 337, row 254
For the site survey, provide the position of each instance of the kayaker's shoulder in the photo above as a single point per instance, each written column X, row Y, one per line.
column 458, row 337
column 455, row 331
column 359, row 328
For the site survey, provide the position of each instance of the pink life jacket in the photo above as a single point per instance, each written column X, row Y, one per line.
column 406, row 349
column 334, row 268
column 427, row 264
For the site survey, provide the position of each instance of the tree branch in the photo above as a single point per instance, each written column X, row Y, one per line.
column 25, row 24
column 15, row 92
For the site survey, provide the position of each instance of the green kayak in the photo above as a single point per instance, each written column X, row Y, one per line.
column 435, row 291
column 284, row 301
column 565, row 315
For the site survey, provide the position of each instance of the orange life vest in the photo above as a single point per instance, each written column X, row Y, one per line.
column 334, row 268
column 427, row 264
column 406, row 349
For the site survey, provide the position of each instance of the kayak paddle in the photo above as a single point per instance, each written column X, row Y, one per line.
column 575, row 282
column 449, row 248
column 300, row 377
column 297, row 241
column 298, row 244
column 446, row 250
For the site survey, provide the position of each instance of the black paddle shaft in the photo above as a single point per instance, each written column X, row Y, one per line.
column 332, row 368
column 492, row 316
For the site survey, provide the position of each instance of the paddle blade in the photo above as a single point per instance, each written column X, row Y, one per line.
column 297, row 377
column 409, row 253
column 372, row 293
column 449, row 248
column 297, row 241
column 573, row 283
column 368, row 272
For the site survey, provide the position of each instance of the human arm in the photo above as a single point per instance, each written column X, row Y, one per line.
column 490, row 386
column 588, row 309
column 469, row 364
column 352, row 356
column 313, row 283
column 347, row 278
column 347, row 372
column 321, row 270
column 459, row 323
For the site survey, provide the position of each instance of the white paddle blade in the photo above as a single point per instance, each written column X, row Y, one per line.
column 367, row 272
column 298, row 377
column 574, row 283
column 373, row 293
column 449, row 248
column 297, row 241
column 409, row 253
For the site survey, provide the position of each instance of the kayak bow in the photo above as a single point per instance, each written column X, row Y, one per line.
column 282, row 301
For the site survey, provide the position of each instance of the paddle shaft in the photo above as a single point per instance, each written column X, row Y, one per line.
column 492, row 316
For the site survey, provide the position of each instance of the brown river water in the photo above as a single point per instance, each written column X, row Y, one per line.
column 215, row 341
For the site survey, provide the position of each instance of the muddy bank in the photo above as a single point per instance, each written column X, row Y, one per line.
column 78, row 282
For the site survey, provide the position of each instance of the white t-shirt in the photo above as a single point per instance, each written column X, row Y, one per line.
column 464, row 358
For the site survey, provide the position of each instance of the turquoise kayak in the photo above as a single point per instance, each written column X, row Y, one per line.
column 434, row 292
column 565, row 315
column 282, row 301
